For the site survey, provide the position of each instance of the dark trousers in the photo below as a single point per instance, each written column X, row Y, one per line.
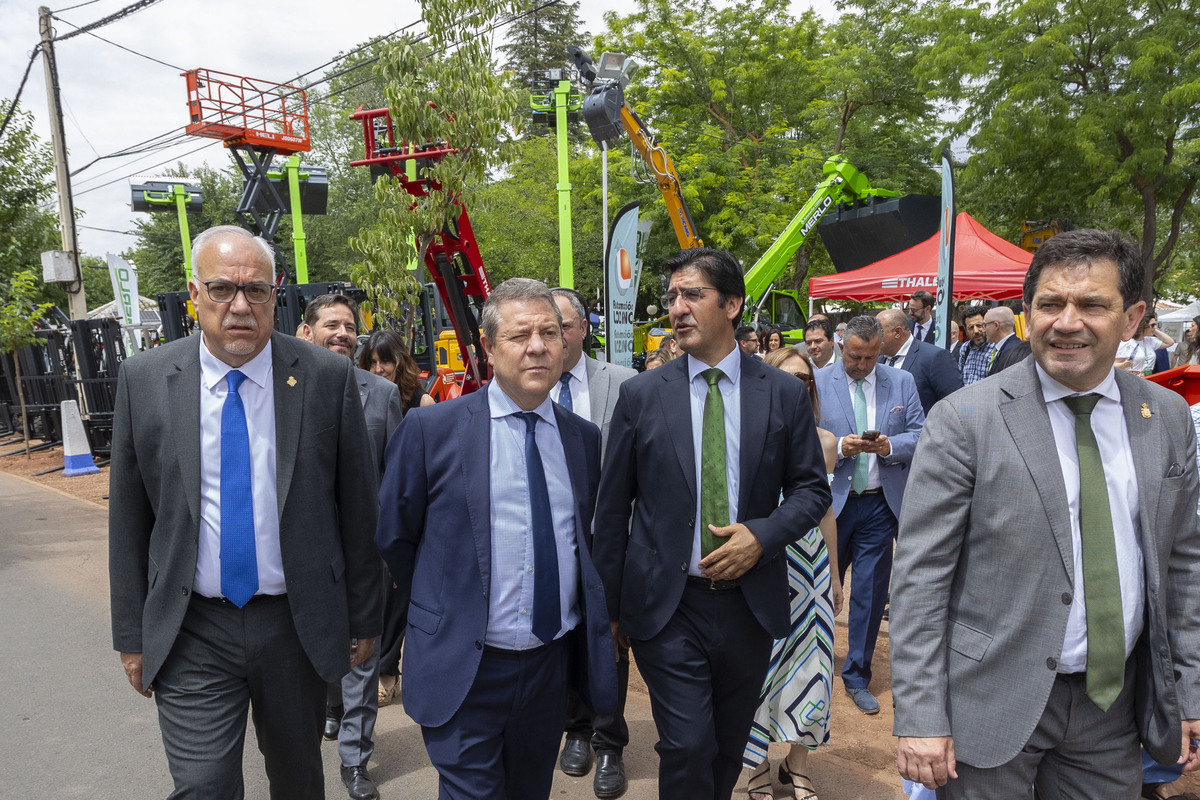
column 1076, row 751
column 225, row 660
column 704, row 670
column 503, row 740
column 395, row 618
column 607, row 734
column 866, row 530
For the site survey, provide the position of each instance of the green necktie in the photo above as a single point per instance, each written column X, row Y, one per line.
column 714, row 491
column 1101, row 583
column 859, row 483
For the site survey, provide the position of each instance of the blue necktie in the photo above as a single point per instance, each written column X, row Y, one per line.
column 564, row 393
column 239, row 567
column 547, row 612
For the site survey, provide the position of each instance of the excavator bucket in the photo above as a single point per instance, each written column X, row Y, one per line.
column 863, row 234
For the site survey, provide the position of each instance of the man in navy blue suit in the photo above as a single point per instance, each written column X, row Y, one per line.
column 691, row 528
column 932, row 368
column 920, row 313
column 875, row 412
column 485, row 510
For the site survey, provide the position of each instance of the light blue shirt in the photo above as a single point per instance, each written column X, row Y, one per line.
column 731, row 396
column 510, row 603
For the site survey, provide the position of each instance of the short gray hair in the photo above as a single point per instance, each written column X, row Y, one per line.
column 572, row 297
column 865, row 327
column 231, row 231
column 515, row 290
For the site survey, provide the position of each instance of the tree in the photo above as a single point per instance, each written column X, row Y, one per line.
column 444, row 89
column 1079, row 110
column 19, row 313
column 27, row 226
column 538, row 41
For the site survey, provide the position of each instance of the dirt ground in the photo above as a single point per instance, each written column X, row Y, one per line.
column 859, row 742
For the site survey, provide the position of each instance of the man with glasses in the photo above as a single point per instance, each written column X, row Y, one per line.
column 747, row 339
column 690, row 528
column 920, row 311
column 242, row 569
column 1001, row 327
column 974, row 356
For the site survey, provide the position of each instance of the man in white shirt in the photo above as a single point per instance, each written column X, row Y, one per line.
column 1046, row 603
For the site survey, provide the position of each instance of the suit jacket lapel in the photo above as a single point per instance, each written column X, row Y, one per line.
column 290, row 388
column 1028, row 422
column 597, row 391
column 183, row 396
column 883, row 396
column 841, row 389
column 572, row 442
column 475, row 456
column 910, row 360
column 756, row 411
column 676, row 401
column 1147, row 446
column 363, row 389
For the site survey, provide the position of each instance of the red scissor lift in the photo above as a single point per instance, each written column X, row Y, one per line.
column 452, row 259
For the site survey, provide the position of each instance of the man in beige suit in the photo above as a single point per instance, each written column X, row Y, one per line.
column 1056, row 476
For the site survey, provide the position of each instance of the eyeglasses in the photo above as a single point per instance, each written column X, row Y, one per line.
column 690, row 295
column 225, row 291
column 804, row 376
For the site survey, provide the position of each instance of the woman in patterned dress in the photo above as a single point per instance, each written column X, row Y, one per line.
column 795, row 700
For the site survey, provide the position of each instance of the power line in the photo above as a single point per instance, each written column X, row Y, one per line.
column 100, row 23
column 12, row 108
column 121, row 46
column 108, row 230
column 208, row 143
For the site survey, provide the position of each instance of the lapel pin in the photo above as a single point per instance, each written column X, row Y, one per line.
column 291, row 381
column 1146, row 410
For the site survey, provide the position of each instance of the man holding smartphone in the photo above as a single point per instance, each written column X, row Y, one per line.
column 875, row 412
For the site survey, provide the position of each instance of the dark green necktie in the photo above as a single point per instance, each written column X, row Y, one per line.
column 714, row 491
column 1101, row 581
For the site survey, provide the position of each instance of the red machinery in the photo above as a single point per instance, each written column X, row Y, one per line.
column 452, row 259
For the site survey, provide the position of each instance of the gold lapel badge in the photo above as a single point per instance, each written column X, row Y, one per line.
column 292, row 382
column 1146, row 410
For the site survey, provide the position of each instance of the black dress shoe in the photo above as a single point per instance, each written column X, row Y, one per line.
column 333, row 721
column 576, row 758
column 610, row 776
column 359, row 783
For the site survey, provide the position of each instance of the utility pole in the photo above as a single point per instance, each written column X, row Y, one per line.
column 62, row 175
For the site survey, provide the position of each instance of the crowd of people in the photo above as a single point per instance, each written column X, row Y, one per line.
column 286, row 528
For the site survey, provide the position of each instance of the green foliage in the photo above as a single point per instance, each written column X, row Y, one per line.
column 20, row 311
column 1084, row 111
column 444, row 89
column 538, row 41
column 28, row 224
column 97, row 283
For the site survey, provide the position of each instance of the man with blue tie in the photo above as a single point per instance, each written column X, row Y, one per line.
column 713, row 468
column 485, row 508
column 920, row 311
column 875, row 412
column 242, row 571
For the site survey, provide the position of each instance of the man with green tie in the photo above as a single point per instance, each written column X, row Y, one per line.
column 1045, row 608
column 713, row 467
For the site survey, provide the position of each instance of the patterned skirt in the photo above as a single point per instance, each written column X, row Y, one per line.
column 795, row 699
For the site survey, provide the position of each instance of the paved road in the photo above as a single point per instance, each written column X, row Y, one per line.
column 74, row 728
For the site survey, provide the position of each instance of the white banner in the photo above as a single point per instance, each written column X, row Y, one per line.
column 622, row 271
column 125, row 290
column 945, row 278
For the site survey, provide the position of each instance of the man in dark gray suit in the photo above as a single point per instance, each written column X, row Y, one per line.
column 1046, row 599
column 932, row 368
column 243, row 575
column 691, row 527
column 590, row 388
column 331, row 321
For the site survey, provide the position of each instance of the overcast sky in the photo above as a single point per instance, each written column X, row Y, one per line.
column 113, row 99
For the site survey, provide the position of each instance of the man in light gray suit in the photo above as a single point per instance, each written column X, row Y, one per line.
column 351, row 707
column 243, row 574
column 590, row 388
column 1058, row 475
column 875, row 411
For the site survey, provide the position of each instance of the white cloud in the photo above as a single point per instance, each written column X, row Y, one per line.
column 113, row 99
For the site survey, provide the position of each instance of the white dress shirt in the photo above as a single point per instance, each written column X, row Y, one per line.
column 729, row 385
column 258, row 398
column 581, row 398
column 897, row 360
column 510, row 603
column 1112, row 438
column 873, row 481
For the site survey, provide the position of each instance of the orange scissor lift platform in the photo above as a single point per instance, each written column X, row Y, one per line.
column 247, row 111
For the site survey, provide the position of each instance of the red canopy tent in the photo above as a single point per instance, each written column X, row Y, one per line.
column 985, row 266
